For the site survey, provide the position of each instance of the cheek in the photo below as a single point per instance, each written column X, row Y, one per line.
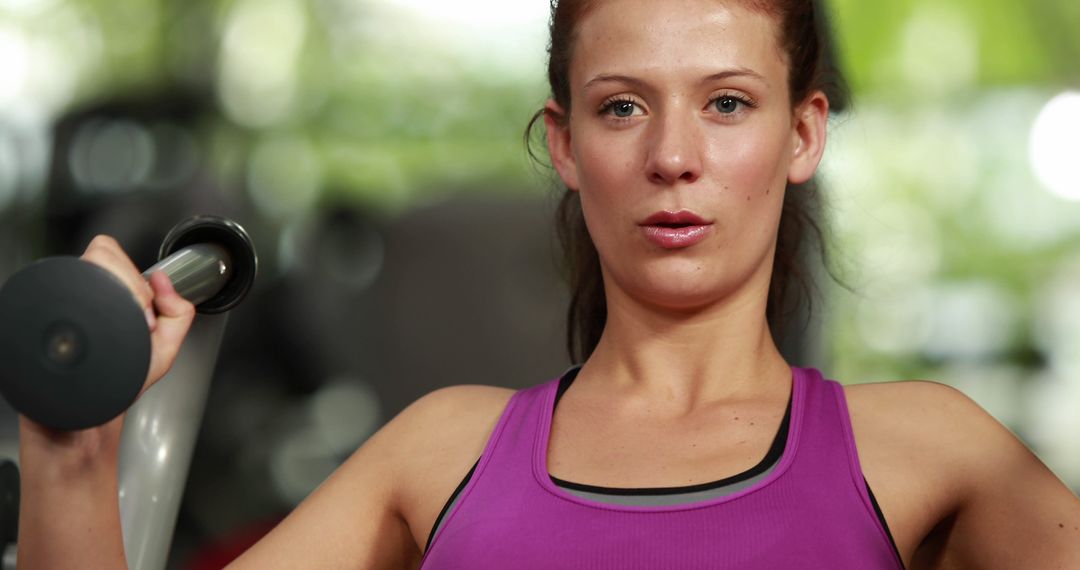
column 749, row 168
column 608, row 172
column 751, row 172
column 603, row 160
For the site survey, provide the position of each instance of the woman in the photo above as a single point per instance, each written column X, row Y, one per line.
column 679, row 124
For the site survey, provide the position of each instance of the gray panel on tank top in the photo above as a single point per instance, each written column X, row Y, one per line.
column 666, row 500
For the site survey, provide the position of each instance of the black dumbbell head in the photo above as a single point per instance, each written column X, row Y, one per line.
column 71, row 357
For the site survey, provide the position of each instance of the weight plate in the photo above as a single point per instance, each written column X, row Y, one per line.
column 74, row 345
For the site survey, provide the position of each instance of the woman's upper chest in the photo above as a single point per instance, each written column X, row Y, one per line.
column 612, row 447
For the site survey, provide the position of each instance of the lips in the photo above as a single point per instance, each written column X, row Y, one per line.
column 675, row 230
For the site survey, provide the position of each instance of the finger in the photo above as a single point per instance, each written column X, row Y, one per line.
column 105, row 252
column 174, row 317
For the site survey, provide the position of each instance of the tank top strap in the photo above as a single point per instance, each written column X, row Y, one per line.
column 827, row 452
column 822, row 430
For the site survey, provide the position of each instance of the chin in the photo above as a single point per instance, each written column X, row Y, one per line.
column 683, row 283
column 680, row 291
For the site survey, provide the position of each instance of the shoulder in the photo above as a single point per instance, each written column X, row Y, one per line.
column 451, row 422
column 464, row 406
column 952, row 443
column 431, row 445
column 929, row 414
column 922, row 439
column 918, row 404
column 444, row 430
column 933, row 422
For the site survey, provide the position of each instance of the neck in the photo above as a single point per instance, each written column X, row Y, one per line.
column 720, row 352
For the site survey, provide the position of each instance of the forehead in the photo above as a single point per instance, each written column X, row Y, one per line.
column 669, row 36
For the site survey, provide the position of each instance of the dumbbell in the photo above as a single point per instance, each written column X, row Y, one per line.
column 74, row 343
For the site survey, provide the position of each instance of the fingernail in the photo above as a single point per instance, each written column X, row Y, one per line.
column 151, row 318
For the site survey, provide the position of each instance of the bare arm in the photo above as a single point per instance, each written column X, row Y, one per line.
column 957, row 488
column 351, row 521
column 69, row 514
column 377, row 509
column 1012, row 512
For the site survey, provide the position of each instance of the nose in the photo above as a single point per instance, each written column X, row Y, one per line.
column 674, row 151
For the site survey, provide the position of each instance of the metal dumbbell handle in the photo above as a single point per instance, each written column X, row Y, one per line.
column 198, row 272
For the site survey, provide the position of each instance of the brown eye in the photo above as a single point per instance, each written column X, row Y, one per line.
column 727, row 105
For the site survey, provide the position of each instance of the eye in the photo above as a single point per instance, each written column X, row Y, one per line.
column 621, row 108
column 727, row 104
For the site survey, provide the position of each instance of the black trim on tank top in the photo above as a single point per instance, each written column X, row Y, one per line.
column 881, row 517
column 446, row 507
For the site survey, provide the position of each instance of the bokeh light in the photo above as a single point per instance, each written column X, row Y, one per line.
column 260, row 52
column 939, row 51
column 9, row 171
column 111, row 155
column 284, row 177
column 1055, row 145
column 469, row 29
column 14, row 64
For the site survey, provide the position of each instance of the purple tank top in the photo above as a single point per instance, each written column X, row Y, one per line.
column 811, row 512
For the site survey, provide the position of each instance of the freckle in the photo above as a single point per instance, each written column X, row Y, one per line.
column 751, row 423
column 736, row 418
column 747, row 197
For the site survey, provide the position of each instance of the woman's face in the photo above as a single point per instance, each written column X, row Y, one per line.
column 681, row 139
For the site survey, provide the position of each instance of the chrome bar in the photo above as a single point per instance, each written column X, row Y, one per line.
column 198, row 272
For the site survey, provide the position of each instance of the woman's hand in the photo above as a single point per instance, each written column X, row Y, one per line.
column 168, row 315
column 168, row 318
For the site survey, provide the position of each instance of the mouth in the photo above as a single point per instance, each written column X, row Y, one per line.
column 680, row 219
column 675, row 230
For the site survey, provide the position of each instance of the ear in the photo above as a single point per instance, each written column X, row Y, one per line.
column 557, row 123
column 808, row 137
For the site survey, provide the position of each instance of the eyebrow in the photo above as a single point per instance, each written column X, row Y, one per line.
column 726, row 74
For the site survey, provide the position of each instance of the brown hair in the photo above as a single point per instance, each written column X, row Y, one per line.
column 801, row 39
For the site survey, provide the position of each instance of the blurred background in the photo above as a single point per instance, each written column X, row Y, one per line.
column 374, row 150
